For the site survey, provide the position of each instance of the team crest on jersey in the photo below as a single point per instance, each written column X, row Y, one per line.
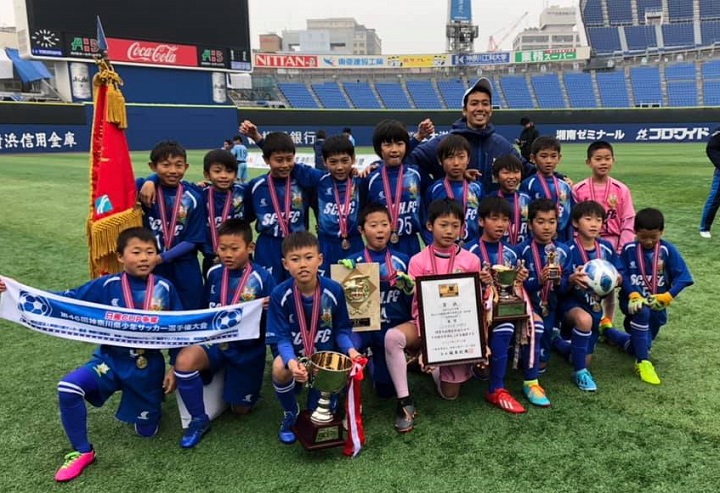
column 297, row 199
column 661, row 266
column 472, row 200
column 248, row 294
column 612, row 200
column 326, row 317
column 413, row 190
column 101, row 369
column 182, row 213
column 156, row 305
column 237, row 203
column 563, row 195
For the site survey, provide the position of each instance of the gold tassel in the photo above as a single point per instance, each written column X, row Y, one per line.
column 116, row 109
column 102, row 240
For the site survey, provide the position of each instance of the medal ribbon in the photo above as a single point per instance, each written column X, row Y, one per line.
column 283, row 217
column 453, row 252
column 514, row 229
column 343, row 209
column 168, row 230
column 211, row 214
column 539, row 266
column 654, row 277
column 546, row 188
column 583, row 252
column 393, row 204
column 225, row 285
column 127, row 292
column 486, row 255
column 606, row 193
column 353, row 409
column 451, row 194
column 391, row 272
column 308, row 336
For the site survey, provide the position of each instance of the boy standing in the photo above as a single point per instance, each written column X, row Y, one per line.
column 240, row 152
column 655, row 273
column 507, row 172
column 235, row 280
column 307, row 313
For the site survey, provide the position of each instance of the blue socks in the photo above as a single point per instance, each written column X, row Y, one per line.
column 532, row 373
column 73, row 413
column 286, row 395
column 639, row 335
column 190, row 387
column 499, row 344
column 579, row 348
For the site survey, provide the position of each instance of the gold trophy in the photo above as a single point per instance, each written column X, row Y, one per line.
column 508, row 306
column 552, row 263
column 322, row 429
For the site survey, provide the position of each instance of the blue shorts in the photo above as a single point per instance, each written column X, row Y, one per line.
column 268, row 254
column 244, row 369
column 116, row 369
column 332, row 250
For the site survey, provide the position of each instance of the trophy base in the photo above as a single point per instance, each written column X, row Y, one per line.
column 509, row 310
column 314, row 436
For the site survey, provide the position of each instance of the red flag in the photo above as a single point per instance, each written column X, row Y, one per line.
column 112, row 183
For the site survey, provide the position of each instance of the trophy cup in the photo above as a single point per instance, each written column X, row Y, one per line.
column 552, row 263
column 508, row 305
column 322, row 429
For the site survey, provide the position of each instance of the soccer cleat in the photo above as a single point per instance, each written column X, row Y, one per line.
column 286, row 435
column 647, row 373
column 146, row 430
column 75, row 463
column 705, row 234
column 502, row 399
column 603, row 326
column 584, row 380
column 535, row 394
column 198, row 427
column 481, row 372
column 405, row 418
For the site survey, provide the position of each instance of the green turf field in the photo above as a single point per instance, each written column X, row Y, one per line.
column 629, row 436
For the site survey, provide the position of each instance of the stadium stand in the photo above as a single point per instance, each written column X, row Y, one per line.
column 646, row 85
column 709, row 9
column 604, row 40
column 452, row 92
column 710, row 32
column 423, row 94
column 580, row 90
column 681, row 84
column 679, row 35
column 593, row 13
column 640, row 38
column 680, row 10
column 647, row 5
column 516, row 91
column 297, row 94
column 548, row 91
column 330, row 95
column 620, row 12
column 392, row 95
column 613, row 90
column 361, row 95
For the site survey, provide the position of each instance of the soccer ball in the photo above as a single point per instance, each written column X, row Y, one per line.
column 33, row 304
column 227, row 319
column 601, row 276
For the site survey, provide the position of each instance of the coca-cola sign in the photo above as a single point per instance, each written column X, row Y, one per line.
column 150, row 53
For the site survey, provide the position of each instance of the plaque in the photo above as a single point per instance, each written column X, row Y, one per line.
column 362, row 294
column 451, row 318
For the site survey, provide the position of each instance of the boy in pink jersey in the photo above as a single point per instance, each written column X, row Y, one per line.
column 615, row 198
column 443, row 256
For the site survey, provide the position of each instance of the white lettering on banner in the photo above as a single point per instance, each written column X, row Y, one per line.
column 255, row 160
column 29, row 140
column 162, row 53
column 570, row 135
column 673, row 134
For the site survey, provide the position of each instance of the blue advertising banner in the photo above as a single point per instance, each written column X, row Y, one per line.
column 477, row 59
column 461, row 10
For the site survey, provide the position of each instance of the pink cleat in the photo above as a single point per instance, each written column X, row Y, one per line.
column 75, row 463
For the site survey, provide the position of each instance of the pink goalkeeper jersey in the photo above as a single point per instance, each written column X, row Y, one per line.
column 615, row 197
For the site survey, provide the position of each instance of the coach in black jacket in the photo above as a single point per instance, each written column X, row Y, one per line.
column 713, row 201
column 527, row 137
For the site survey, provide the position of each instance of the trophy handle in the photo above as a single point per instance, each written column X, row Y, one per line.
column 306, row 362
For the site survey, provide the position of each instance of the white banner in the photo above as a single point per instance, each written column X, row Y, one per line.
column 67, row 318
column 256, row 161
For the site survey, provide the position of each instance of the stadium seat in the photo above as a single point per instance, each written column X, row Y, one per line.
column 361, row 95
column 613, row 91
column 682, row 93
column 452, row 92
column 646, row 85
column 645, row 5
column 592, row 13
column 640, row 38
column 580, row 90
column 680, row 10
column 392, row 95
column 423, row 94
column 681, row 71
column 604, row 40
column 710, row 32
column 679, row 35
column 517, row 93
column 709, row 9
column 548, row 91
column 711, row 70
column 619, row 12
column 330, row 95
column 297, row 95
column 711, row 93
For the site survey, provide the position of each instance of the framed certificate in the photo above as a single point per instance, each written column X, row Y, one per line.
column 361, row 286
column 450, row 318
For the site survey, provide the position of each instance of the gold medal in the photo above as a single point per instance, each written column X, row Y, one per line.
column 141, row 362
column 545, row 311
column 596, row 307
column 224, row 346
column 394, row 238
column 345, row 244
column 461, row 243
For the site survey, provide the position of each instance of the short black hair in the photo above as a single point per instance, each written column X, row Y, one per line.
column 320, row 134
column 166, row 149
column 587, row 208
column 597, row 145
column 524, row 120
column 390, row 131
column 297, row 240
column 238, row 137
column 445, row 207
column 545, row 142
column 540, row 205
column 236, row 227
column 143, row 234
column 494, row 205
column 221, row 157
column 451, row 145
column 372, row 208
column 347, row 130
column 649, row 218
column 277, row 142
column 229, row 141
column 337, row 144
column 509, row 162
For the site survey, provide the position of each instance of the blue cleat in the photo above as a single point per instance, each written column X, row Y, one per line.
column 584, row 380
column 286, row 435
column 198, row 427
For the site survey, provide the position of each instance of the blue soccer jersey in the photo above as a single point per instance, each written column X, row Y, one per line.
column 259, row 284
column 527, row 251
column 488, row 252
column 473, row 194
column 333, row 331
column 395, row 305
column 218, row 210
column 553, row 188
column 259, row 205
column 518, row 229
column 579, row 256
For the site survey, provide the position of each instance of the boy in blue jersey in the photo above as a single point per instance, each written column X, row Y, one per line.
column 307, row 313
column 545, row 184
column 396, row 185
column 581, row 306
column 235, row 280
column 138, row 373
column 395, row 289
column 655, row 273
column 454, row 155
column 548, row 265
column 507, row 172
column 495, row 215
column 277, row 202
column 178, row 220
column 240, row 152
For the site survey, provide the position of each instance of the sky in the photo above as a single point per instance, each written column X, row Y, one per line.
column 404, row 26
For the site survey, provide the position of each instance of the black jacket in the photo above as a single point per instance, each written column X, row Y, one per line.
column 527, row 137
column 713, row 148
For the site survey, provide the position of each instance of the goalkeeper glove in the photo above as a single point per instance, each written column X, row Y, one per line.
column 660, row 301
column 404, row 283
column 635, row 303
column 348, row 263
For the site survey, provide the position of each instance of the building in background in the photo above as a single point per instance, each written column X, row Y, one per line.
column 270, row 43
column 339, row 36
column 557, row 31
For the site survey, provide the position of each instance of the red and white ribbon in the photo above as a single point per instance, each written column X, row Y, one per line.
column 168, row 229
column 211, row 215
column 353, row 409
